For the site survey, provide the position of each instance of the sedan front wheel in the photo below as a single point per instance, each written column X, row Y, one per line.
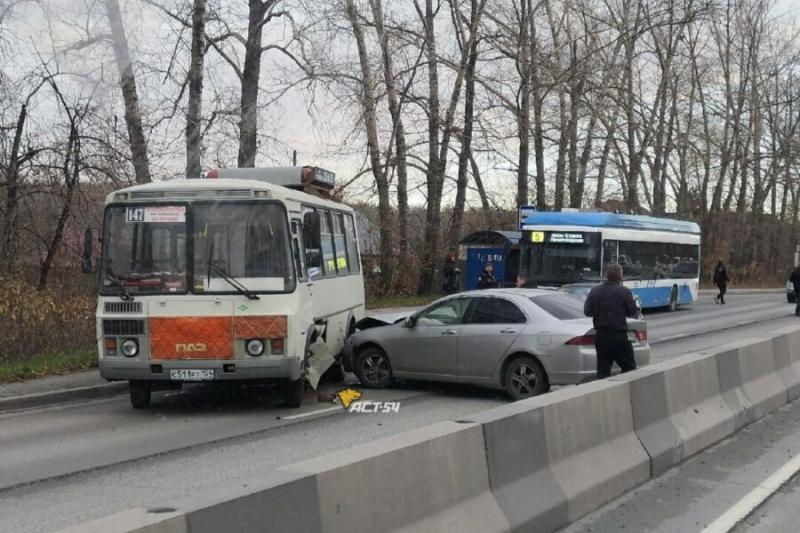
column 373, row 368
column 525, row 378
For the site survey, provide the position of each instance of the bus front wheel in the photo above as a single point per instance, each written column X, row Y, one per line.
column 292, row 392
column 140, row 393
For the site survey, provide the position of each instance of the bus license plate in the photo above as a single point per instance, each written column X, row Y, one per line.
column 192, row 375
column 632, row 336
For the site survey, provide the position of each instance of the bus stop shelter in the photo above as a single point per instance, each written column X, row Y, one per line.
column 501, row 248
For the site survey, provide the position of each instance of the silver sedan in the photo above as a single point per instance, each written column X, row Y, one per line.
column 520, row 340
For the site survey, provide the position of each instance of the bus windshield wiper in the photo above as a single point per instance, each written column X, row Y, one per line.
column 227, row 277
column 113, row 278
column 233, row 282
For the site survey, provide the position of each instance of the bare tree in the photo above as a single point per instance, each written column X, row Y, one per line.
column 195, row 107
column 127, row 82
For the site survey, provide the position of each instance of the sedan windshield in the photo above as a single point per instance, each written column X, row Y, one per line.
column 145, row 250
column 246, row 242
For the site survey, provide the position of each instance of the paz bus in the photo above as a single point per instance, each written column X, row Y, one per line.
column 231, row 277
column 660, row 257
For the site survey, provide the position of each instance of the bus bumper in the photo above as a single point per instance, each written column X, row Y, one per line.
column 263, row 368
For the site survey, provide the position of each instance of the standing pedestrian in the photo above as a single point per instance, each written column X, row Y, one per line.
column 524, row 282
column 450, row 271
column 721, row 281
column 610, row 304
column 795, row 281
column 487, row 280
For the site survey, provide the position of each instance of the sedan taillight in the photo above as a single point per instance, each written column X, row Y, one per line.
column 583, row 340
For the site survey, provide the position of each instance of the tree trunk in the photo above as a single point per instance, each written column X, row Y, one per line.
column 466, row 147
column 251, row 74
column 371, row 124
column 195, row 107
column 399, row 130
column 524, row 114
column 71, row 172
column 10, row 244
column 127, row 82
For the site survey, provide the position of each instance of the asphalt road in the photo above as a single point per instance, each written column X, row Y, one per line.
column 71, row 463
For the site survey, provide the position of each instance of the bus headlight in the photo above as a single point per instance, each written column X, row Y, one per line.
column 255, row 347
column 129, row 347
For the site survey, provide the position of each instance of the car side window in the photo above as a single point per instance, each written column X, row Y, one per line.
column 447, row 313
column 496, row 311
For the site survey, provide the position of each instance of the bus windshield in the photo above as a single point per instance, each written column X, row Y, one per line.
column 144, row 250
column 248, row 242
column 559, row 258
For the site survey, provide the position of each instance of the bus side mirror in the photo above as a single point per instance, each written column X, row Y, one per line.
column 88, row 247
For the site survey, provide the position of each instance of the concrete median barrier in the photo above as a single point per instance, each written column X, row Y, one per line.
column 431, row 479
column 748, row 375
column 786, row 346
column 554, row 458
column 534, row 465
column 678, row 409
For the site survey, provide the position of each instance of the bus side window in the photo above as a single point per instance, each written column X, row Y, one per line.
column 328, row 254
column 342, row 264
column 298, row 250
column 312, row 244
column 352, row 244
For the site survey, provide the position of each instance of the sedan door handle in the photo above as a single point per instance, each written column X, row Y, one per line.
column 508, row 331
column 449, row 332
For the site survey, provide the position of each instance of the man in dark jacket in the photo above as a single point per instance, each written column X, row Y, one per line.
column 610, row 304
column 794, row 279
column 450, row 271
column 487, row 280
column 721, row 281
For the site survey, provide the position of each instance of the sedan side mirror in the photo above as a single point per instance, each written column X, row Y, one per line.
column 411, row 321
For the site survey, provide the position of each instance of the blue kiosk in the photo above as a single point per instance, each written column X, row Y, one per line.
column 501, row 248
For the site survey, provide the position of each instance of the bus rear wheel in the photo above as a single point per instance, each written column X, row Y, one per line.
column 673, row 300
column 140, row 393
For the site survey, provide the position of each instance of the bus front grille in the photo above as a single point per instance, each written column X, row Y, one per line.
column 123, row 327
column 123, row 307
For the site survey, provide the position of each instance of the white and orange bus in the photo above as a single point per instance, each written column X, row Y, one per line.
column 231, row 277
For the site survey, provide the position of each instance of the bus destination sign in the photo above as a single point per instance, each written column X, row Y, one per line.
column 566, row 238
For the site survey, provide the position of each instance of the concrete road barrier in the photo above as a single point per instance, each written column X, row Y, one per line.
column 431, row 479
column 534, row 465
column 554, row 458
column 786, row 347
column 678, row 409
column 760, row 383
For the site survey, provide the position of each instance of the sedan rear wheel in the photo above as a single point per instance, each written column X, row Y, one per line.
column 373, row 368
column 525, row 378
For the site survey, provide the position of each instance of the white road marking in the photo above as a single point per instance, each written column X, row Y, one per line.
column 312, row 413
column 741, row 509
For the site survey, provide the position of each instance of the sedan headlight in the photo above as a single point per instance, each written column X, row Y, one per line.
column 255, row 347
column 129, row 348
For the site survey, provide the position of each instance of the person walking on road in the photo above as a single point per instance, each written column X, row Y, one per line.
column 450, row 271
column 794, row 279
column 721, row 281
column 524, row 282
column 610, row 305
column 487, row 280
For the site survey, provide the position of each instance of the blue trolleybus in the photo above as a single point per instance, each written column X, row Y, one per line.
column 660, row 256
